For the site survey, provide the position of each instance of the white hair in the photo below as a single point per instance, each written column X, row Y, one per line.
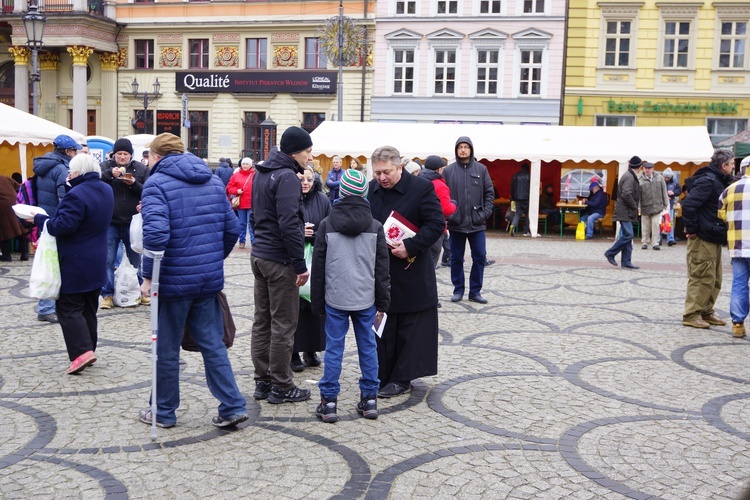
column 83, row 164
column 246, row 160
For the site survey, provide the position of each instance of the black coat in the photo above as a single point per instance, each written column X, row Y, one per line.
column 126, row 196
column 628, row 198
column 700, row 207
column 316, row 206
column 413, row 287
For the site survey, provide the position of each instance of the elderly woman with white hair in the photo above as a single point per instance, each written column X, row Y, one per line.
column 80, row 226
column 241, row 186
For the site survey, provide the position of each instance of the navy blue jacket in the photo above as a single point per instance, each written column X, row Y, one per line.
column 224, row 172
column 277, row 217
column 51, row 172
column 186, row 214
column 597, row 203
column 80, row 225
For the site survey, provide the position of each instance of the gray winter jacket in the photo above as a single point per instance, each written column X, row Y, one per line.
column 653, row 194
column 471, row 186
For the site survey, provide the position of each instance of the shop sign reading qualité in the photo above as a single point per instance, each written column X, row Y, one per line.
column 309, row 82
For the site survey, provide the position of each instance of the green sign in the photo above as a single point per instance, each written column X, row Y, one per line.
column 720, row 108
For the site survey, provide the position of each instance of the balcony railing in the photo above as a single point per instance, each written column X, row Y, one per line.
column 52, row 6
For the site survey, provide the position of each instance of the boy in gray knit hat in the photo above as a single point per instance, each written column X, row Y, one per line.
column 350, row 278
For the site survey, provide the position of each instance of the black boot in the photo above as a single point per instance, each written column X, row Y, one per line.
column 24, row 244
column 296, row 364
column 311, row 359
column 5, row 248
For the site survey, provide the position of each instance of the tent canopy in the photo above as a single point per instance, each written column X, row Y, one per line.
column 18, row 127
column 743, row 136
column 668, row 145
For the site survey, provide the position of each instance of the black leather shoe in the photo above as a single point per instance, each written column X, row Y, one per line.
column 489, row 262
column 52, row 317
column 393, row 389
column 457, row 297
column 311, row 359
column 630, row 266
column 611, row 259
column 671, row 244
column 477, row 298
column 296, row 364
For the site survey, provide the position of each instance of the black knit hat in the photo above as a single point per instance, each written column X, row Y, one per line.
column 294, row 140
column 635, row 162
column 433, row 162
column 123, row 145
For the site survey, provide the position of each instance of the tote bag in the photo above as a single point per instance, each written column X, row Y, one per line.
column 45, row 280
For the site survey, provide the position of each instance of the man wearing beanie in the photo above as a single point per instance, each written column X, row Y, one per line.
column 278, row 265
column 626, row 212
column 126, row 177
column 433, row 167
column 186, row 215
column 350, row 279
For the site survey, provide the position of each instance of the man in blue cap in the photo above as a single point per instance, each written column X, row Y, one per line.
column 51, row 171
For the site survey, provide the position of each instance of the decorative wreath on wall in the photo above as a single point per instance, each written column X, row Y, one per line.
column 351, row 41
column 285, row 57
column 171, row 57
column 227, row 57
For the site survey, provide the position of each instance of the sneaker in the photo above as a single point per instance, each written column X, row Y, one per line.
column 50, row 318
column 738, row 330
column 695, row 323
column 145, row 299
column 293, row 395
column 713, row 319
column 326, row 411
column 230, row 421
column 106, row 303
column 145, row 417
column 262, row 389
column 81, row 362
column 368, row 407
column 296, row 363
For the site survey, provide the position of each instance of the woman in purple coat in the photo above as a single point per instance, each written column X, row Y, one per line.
column 80, row 226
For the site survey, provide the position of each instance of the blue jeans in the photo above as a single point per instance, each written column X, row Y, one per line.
column 45, row 307
column 739, row 303
column 206, row 323
column 115, row 234
column 245, row 226
column 590, row 220
column 337, row 324
column 624, row 243
column 478, row 244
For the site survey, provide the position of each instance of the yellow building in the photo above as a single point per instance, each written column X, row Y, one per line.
column 654, row 63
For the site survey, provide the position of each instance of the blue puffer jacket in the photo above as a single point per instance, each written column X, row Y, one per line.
column 51, row 172
column 187, row 215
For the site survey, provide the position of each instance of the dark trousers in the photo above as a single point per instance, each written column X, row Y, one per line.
column 408, row 348
column 275, row 321
column 478, row 244
column 77, row 315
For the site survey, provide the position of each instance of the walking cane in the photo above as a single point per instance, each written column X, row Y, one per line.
column 157, row 256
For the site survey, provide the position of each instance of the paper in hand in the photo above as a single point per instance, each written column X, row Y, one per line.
column 378, row 323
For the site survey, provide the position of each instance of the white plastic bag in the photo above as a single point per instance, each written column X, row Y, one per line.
column 45, row 280
column 136, row 233
column 127, row 289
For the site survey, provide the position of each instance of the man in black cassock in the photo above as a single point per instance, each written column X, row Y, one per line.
column 409, row 346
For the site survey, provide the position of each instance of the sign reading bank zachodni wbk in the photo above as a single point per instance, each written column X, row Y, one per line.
column 308, row 82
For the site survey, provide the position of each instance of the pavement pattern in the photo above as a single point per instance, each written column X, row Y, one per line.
column 577, row 380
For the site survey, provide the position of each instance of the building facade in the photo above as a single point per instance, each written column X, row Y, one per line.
column 652, row 63
column 469, row 61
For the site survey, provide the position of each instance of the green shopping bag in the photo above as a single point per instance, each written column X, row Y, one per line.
column 304, row 290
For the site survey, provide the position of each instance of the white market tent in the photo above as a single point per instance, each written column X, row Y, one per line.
column 669, row 146
column 24, row 136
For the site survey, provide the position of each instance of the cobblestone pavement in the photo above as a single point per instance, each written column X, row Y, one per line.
column 576, row 380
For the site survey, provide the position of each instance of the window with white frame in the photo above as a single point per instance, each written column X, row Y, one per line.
column 199, row 53
column 447, row 6
column 617, row 38
column 533, row 6
column 403, row 71
column 488, row 71
column 530, row 81
column 733, row 40
column 405, row 7
column 615, row 121
column 256, row 53
column 676, row 44
column 490, row 6
column 445, row 71
column 723, row 128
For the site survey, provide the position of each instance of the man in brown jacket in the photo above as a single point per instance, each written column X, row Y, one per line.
column 626, row 212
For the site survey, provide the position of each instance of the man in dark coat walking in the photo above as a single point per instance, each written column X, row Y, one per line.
column 626, row 212
column 408, row 348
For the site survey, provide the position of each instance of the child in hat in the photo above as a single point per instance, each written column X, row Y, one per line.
column 350, row 278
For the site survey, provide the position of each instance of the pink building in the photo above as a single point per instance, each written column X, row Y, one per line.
column 469, row 61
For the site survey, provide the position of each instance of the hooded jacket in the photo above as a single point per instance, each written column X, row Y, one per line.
column 442, row 190
column 471, row 186
column 520, row 185
column 224, row 172
column 187, row 215
column 127, row 196
column 51, row 172
column 350, row 269
column 700, row 208
column 277, row 216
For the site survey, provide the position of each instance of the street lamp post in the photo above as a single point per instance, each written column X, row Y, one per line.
column 33, row 23
column 145, row 97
